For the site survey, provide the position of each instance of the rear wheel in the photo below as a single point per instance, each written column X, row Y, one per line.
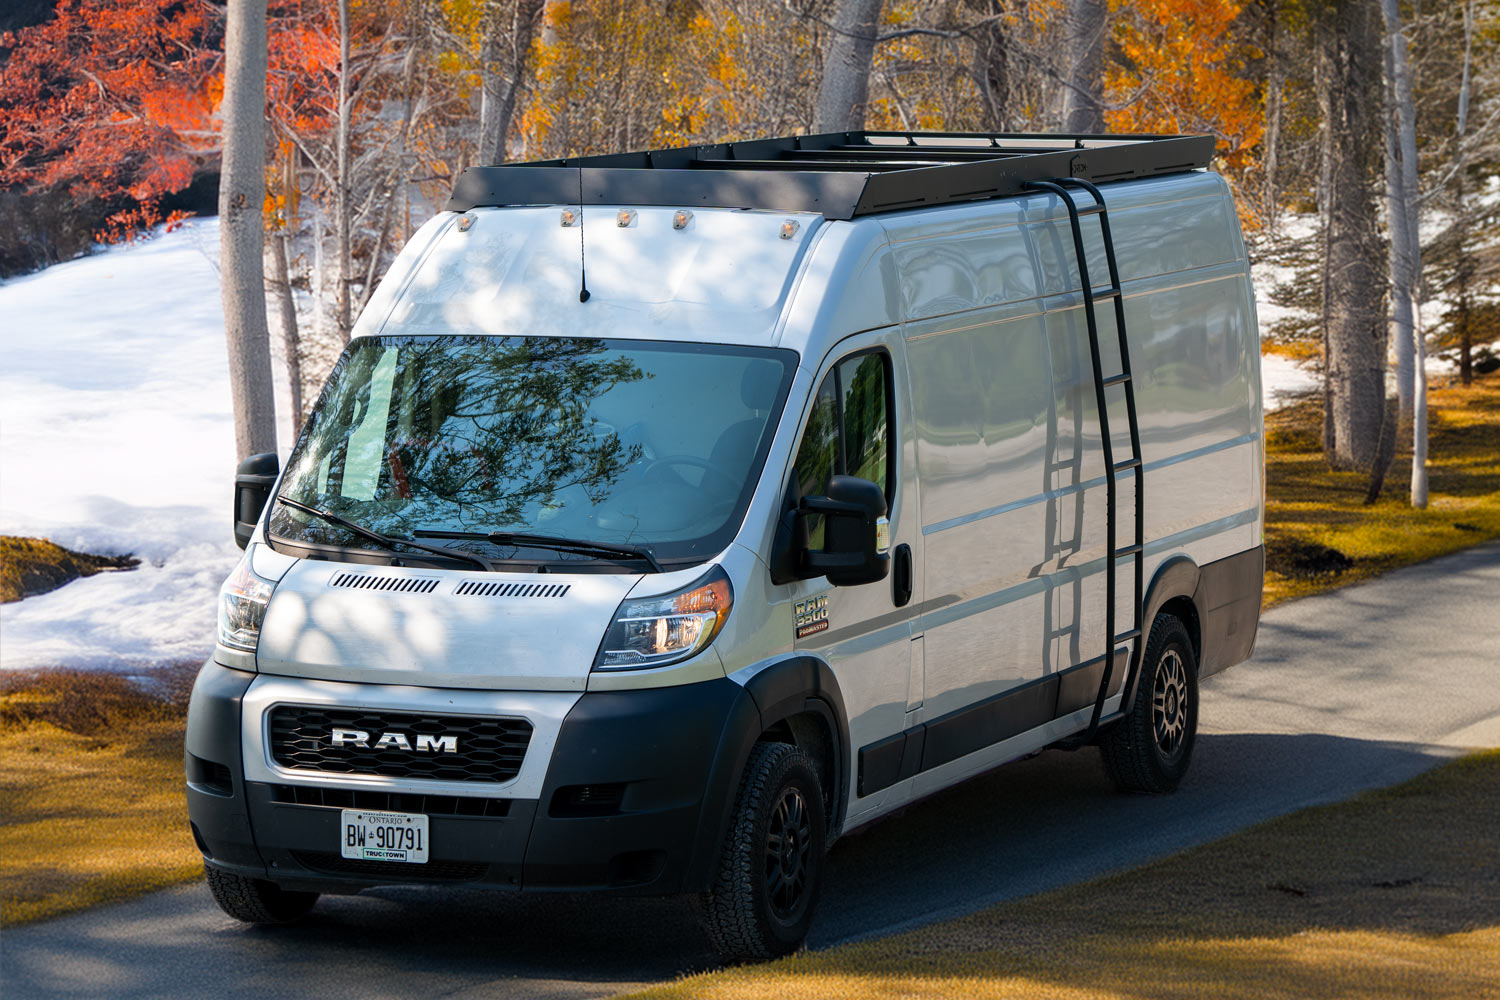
column 255, row 900
column 771, row 865
column 1149, row 749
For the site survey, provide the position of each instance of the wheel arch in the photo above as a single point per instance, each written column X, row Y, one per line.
column 1173, row 589
column 801, row 703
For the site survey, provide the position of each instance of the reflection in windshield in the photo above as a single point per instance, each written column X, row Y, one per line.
column 609, row 441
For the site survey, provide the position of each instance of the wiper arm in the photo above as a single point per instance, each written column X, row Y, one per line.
column 581, row 546
column 383, row 540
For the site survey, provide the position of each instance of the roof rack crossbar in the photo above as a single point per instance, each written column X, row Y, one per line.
column 840, row 175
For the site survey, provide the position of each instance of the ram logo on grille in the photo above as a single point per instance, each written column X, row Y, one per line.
column 425, row 742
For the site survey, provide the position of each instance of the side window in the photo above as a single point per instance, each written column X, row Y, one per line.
column 848, row 432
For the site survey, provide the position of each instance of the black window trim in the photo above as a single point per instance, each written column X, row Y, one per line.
column 889, row 486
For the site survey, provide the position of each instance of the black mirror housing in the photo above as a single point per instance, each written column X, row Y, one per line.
column 855, row 533
column 253, row 480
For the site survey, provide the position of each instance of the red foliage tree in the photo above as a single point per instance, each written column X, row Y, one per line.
column 112, row 100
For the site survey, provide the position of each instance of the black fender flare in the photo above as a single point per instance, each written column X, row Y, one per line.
column 787, row 687
column 1176, row 577
column 801, row 684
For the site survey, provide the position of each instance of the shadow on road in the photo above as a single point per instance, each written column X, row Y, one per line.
column 1024, row 828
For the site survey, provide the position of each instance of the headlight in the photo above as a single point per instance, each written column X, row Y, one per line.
column 652, row 631
column 242, row 606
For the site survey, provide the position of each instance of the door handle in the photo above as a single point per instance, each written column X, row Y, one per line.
column 901, row 576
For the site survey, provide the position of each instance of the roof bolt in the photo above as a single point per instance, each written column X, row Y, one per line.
column 789, row 229
column 681, row 218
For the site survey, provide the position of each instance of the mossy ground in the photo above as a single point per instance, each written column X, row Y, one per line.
column 1312, row 511
column 31, row 566
column 91, row 802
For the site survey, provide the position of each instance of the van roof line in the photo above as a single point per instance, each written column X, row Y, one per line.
column 839, row 175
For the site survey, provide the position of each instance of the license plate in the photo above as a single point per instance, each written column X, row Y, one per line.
column 383, row 836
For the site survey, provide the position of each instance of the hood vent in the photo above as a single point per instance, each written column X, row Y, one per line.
column 390, row 584
column 476, row 589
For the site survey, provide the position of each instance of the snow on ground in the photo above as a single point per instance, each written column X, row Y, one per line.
column 116, row 437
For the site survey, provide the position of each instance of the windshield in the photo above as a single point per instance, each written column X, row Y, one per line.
column 614, row 442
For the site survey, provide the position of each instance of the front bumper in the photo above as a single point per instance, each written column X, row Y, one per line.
column 661, row 765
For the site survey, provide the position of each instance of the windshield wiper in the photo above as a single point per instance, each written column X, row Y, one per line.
column 580, row 546
column 387, row 541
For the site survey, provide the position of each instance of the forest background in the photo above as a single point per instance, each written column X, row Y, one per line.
column 1359, row 136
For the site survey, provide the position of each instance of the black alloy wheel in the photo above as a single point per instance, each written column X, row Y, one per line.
column 1150, row 748
column 771, row 864
column 789, row 842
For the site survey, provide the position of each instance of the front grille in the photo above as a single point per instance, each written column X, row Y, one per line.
column 488, row 749
column 444, row 871
column 372, row 801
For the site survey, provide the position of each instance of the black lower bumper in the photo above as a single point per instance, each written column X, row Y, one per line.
column 636, row 800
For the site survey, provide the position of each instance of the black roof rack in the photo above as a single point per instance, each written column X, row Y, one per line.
column 839, row 174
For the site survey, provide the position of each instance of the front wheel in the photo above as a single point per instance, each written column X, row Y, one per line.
column 1149, row 749
column 256, row 901
column 771, row 865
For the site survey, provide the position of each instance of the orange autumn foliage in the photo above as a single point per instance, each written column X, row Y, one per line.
column 1184, row 67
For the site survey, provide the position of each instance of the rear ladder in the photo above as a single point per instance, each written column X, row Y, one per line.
column 1113, row 470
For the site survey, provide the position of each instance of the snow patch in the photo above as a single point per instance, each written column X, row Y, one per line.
column 116, row 437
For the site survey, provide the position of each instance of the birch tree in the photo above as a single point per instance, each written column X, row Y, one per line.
column 844, row 89
column 242, row 190
column 1083, row 93
column 1405, row 246
column 502, row 65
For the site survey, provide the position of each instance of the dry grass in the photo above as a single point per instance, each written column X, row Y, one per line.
column 1395, row 894
column 30, row 566
column 1311, row 510
column 91, row 803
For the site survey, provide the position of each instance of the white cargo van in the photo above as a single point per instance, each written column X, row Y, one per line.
column 671, row 513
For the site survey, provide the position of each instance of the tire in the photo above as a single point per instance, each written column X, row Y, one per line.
column 256, row 901
column 771, row 865
column 1150, row 748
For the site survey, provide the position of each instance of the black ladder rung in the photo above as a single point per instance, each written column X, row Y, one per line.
column 1129, row 550
column 1119, row 379
column 1105, row 294
column 1129, row 463
column 1088, row 210
column 1126, row 636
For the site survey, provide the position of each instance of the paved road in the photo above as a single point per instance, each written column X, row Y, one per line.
column 1347, row 691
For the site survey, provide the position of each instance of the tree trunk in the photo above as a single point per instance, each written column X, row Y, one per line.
column 242, row 191
column 291, row 341
column 844, row 90
column 989, row 66
column 1400, row 157
column 1349, row 100
column 1275, row 82
column 1083, row 96
column 1406, row 245
column 1465, row 264
column 342, row 224
column 507, row 47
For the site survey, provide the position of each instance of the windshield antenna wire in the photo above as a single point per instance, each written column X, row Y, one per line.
column 583, row 284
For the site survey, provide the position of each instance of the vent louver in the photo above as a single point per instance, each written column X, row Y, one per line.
column 474, row 588
column 391, row 584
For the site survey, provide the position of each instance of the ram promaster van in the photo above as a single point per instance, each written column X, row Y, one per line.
column 671, row 513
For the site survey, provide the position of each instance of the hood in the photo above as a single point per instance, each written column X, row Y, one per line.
column 438, row 628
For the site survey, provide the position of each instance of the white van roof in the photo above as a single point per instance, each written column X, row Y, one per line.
column 676, row 270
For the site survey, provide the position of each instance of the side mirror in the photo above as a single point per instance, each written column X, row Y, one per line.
column 856, row 534
column 252, row 488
